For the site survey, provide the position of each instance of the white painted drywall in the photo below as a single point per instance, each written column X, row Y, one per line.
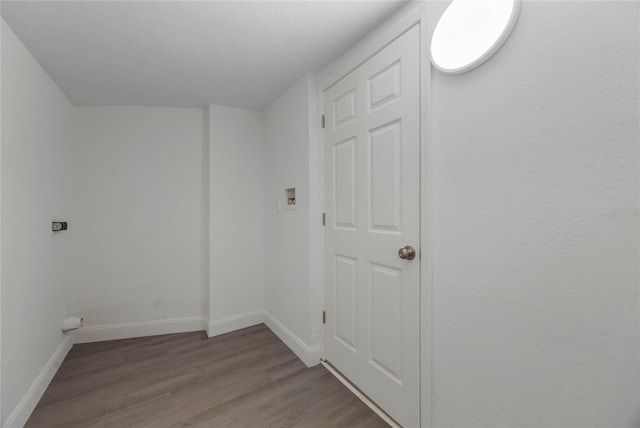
column 536, row 225
column 205, row 189
column 292, row 284
column 316, row 208
column 2, row 24
column 236, row 227
column 36, row 131
column 137, row 225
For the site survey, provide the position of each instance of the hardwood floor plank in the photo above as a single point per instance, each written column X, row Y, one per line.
column 247, row 378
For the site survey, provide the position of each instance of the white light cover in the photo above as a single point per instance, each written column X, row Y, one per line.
column 470, row 31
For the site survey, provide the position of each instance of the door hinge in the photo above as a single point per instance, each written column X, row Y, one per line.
column 324, row 219
column 324, row 317
column 323, row 122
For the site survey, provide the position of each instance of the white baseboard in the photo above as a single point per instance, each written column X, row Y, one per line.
column 139, row 329
column 309, row 355
column 236, row 322
column 21, row 413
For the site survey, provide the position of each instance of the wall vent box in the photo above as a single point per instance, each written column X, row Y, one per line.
column 290, row 198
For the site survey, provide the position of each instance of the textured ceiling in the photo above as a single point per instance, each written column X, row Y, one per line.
column 187, row 53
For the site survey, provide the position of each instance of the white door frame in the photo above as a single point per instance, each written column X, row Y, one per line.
column 410, row 15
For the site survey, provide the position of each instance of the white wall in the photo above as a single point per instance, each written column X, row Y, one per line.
column 316, row 208
column 137, row 215
column 2, row 24
column 236, row 224
column 36, row 130
column 536, row 225
column 293, row 280
column 287, row 231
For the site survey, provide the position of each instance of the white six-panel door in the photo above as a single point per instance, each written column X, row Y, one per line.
column 372, row 200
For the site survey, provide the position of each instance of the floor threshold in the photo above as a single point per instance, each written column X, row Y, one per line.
column 366, row 400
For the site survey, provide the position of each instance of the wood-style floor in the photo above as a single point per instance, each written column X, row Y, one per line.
column 248, row 378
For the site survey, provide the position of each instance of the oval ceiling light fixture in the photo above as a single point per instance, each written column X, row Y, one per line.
column 470, row 31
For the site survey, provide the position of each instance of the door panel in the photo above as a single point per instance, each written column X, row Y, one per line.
column 384, row 86
column 373, row 209
column 345, row 310
column 385, row 180
column 344, row 158
column 386, row 320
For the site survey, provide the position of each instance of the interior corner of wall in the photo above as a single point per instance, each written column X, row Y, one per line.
column 309, row 355
column 216, row 327
column 20, row 414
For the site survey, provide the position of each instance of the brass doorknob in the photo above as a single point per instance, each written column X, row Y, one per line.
column 407, row 253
